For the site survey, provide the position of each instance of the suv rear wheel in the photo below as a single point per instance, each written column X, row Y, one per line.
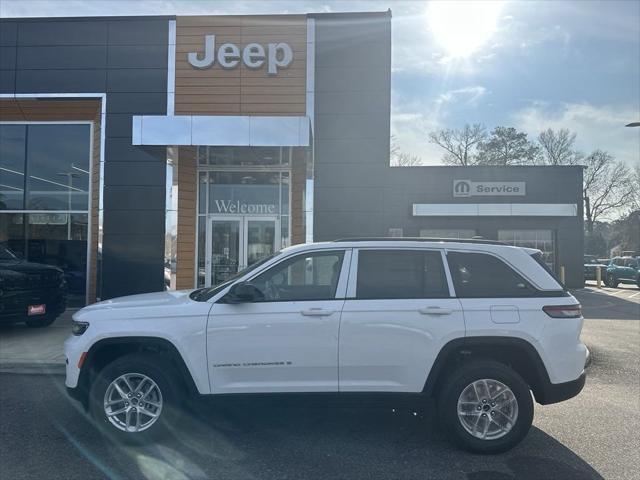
column 486, row 407
column 133, row 398
column 611, row 281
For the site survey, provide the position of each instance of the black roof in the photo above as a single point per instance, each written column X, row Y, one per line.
column 420, row 239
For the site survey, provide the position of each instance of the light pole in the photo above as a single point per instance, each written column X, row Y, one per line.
column 70, row 176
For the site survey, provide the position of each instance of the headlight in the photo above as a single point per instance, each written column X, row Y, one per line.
column 78, row 328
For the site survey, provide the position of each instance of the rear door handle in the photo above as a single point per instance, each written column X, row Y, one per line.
column 435, row 311
column 317, row 312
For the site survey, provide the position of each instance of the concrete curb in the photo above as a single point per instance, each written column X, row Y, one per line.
column 33, row 368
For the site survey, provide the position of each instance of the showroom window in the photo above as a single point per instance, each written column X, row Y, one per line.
column 543, row 240
column 400, row 274
column 44, row 196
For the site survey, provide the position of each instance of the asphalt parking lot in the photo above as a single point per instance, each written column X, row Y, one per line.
column 595, row 435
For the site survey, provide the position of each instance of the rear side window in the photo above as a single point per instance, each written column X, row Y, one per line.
column 393, row 274
column 478, row 275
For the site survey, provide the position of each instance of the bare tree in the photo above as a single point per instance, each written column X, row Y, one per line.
column 404, row 159
column 460, row 145
column 635, row 186
column 557, row 147
column 507, row 146
column 394, row 149
column 398, row 158
column 607, row 187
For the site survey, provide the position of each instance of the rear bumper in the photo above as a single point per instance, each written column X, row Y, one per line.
column 558, row 392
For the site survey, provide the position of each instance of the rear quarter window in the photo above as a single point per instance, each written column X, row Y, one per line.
column 480, row 275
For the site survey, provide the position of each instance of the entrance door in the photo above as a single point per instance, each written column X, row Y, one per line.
column 235, row 242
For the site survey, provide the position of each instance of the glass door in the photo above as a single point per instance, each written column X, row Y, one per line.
column 260, row 238
column 224, row 254
column 235, row 242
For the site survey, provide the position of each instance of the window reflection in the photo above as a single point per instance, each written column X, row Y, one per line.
column 58, row 167
column 44, row 166
column 12, row 155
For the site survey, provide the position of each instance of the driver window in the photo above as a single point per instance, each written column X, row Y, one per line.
column 312, row 276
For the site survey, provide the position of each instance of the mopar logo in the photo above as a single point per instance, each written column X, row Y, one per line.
column 467, row 188
column 461, row 188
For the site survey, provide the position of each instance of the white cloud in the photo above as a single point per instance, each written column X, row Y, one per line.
column 413, row 118
column 468, row 95
column 596, row 126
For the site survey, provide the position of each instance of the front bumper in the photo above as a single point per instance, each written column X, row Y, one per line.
column 15, row 304
column 558, row 392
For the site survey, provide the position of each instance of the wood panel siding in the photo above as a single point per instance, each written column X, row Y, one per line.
column 241, row 90
column 298, row 182
column 93, row 234
column 29, row 109
column 187, row 197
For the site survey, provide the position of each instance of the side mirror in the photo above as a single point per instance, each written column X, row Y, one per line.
column 243, row 292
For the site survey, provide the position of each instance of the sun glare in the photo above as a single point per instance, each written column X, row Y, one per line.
column 462, row 27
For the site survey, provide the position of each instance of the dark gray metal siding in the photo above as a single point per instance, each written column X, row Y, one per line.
column 352, row 115
column 358, row 194
column 127, row 59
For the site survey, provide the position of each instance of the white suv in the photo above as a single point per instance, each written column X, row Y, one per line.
column 478, row 325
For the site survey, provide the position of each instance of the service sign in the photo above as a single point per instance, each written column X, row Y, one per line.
column 467, row 188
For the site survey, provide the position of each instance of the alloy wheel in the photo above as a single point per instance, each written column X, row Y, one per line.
column 487, row 409
column 133, row 402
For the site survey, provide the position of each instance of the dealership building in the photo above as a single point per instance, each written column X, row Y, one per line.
column 142, row 153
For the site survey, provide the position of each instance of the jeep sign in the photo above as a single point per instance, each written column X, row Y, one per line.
column 467, row 188
column 254, row 55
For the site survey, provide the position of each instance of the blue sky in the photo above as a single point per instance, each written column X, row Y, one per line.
column 527, row 64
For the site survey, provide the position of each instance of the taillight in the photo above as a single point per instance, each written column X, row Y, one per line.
column 563, row 311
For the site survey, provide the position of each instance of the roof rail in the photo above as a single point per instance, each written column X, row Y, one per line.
column 420, row 239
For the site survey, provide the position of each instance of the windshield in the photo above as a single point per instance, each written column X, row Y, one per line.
column 204, row 294
column 6, row 254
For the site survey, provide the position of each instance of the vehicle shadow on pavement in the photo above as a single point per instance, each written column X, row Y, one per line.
column 271, row 439
column 257, row 438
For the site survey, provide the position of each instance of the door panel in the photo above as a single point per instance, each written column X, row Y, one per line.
column 390, row 345
column 274, row 346
column 286, row 343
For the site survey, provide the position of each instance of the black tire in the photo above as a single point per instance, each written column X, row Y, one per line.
column 40, row 322
column 465, row 376
column 159, row 371
column 611, row 281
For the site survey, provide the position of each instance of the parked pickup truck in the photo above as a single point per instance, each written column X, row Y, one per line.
column 30, row 292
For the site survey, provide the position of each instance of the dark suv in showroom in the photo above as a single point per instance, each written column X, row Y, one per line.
column 30, row 292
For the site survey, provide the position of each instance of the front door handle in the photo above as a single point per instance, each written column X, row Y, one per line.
column 317, row 312
column 435, row 311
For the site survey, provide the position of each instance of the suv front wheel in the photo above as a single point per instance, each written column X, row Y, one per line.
column 486, row 407
column 133, row 398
